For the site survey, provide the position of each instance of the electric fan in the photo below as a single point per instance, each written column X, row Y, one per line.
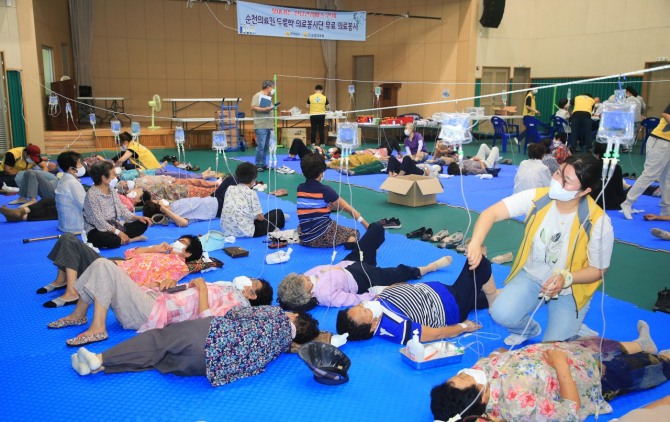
column 155, row 104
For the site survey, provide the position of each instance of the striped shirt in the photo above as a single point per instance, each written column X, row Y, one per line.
column 313, row 199
column 412, row 306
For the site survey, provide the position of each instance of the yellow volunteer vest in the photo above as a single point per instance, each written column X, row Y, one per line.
column 579, row 240
column 527, row 111
column 658, row 131
column 317, row 103
column 583, row 103
column 147, row 160
column 20, row 164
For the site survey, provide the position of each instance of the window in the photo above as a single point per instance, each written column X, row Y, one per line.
column 48, row 65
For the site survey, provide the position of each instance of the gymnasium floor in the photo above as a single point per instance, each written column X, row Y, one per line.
column 41, row 385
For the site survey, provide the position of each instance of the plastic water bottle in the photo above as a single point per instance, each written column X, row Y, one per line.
column 415, row 350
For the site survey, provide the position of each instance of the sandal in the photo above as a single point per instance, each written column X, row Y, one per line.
column 439, row 236
column 279, row 192
column 58, row 302
column 82, row 340
column 62, row 323
column 50, row 288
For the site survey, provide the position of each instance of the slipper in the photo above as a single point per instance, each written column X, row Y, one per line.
column 58, row 302
column 81, row 340
column 440, row 235
column 279, row 192
column 49, row 288
column 503, row 259
column 62, row 323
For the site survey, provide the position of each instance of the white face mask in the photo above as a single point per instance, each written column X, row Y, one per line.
column 178, row 247
column 376, row 307
column 81, row 171
column 314, row 280
column 272, row 92
column 557, row 192
column 240, row 282
column 113, row 182
column 535, row 91
column 407, row 132
column 477, row 374
column 29, row 161
column 132, row 195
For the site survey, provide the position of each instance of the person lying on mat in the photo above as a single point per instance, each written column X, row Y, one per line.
column 298, row 150
column 105, row 285
column 566, row 249
column 144, row 265
column 68, row 203
column 553, row 381
column 107, row 223
column 242, row 215
column 315, row 203
column 237, row 345
column 435, row 309
column 486, row 161
column 171, row 188
column 348, row 282
column 408, row 166
column 444, row 154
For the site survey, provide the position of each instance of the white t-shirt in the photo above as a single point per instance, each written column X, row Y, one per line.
column 240, row 208
column 549, row 250
column 531, row 174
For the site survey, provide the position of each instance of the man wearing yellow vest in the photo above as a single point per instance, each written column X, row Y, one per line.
column 656, row 167
column 566, row 249
column 19, row 159
column 317, row 104
column 580, row 123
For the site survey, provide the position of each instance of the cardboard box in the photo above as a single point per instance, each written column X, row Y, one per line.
column 288, row 134
column 504, row 111
column 412, row 190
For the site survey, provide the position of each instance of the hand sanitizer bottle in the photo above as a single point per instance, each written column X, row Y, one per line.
column 415, row 349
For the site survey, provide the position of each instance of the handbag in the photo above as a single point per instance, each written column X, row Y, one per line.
column 236, row 252
column 215, row 240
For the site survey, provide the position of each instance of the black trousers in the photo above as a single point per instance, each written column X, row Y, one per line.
column 468, row 284
column 299, row 148
column 44, row 209
column 110, row 240
column 580, row 123
column 274, row 218
column 7, row 179
column 318, row 122
column 408, row 166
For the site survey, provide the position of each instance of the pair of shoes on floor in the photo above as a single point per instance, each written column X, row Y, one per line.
column 278, row 257
column 416, row 233
column 451, row 241
column 437, row 237
column 515, row 339
column 260, row 187
column 289, row 158
column 390, row 223
column 82, row 340
column 507, row 161
column 49, row 288
column 503, row 259
column 58, row 302
column 85, row 362
column 427, row 235
column 63, row 322
column 285, row 170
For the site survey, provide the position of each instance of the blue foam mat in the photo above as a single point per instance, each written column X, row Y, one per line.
column 481, row 194
column 42, row 386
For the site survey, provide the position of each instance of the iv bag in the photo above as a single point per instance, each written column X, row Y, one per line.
column 455, row 129
column 378, row 91
column 135, row 129
column 503, row 95
column 352, row 89
column 53, row 99
column 179, row 137
column 116, row 126
column 617, row 123
column 347, row 136
column 272, row 144
column 219, row 141
column 92, row 119
column 569, row 94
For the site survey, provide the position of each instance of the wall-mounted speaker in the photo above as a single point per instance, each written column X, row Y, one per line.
column 493, row 13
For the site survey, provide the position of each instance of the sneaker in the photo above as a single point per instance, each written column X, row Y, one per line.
column 450, row 242
column 515, row 339
column 390, row 223
column 285, row 170
column 416, row 233
column 503, row 259
column 260, row 187
column 439, row 236
column 427, row 235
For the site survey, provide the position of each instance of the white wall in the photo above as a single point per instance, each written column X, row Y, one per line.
column 574, row 38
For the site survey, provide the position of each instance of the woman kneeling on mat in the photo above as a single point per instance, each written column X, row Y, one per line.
column 566, row 249
column 560, row 381
column 237, row 345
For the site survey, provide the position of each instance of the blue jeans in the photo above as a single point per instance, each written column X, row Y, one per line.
column 262, row 145
column 518, row 299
